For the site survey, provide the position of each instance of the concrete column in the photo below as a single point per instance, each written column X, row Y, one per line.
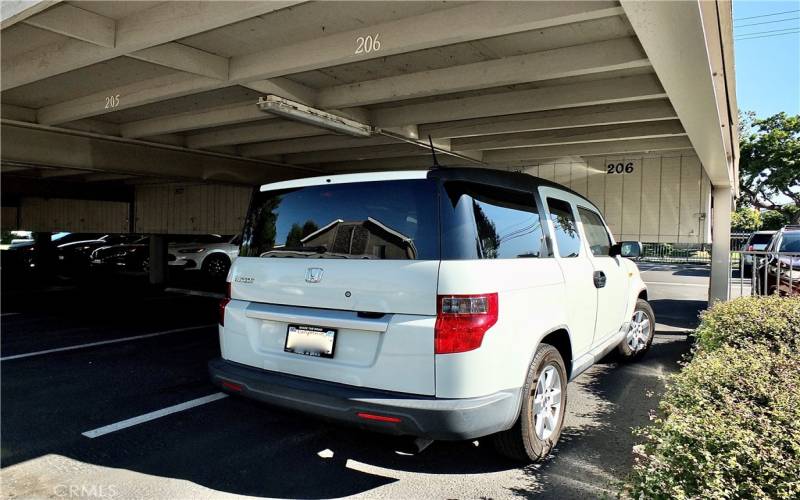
column 720, row 243
column 158, row 259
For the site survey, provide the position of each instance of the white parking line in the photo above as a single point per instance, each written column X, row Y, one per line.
column 9, row 314
column 675, row 284
column 103, row 342
column 101, row 431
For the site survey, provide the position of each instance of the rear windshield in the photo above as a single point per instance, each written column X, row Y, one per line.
column 760, row 239
column 365, row 220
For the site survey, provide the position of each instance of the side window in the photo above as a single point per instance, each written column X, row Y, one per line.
column 506, row 222
column 567, row 238
column 596, row 234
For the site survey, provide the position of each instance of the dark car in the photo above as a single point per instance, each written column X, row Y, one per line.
column 24, row 255
column 779, row 271
column 74, row 257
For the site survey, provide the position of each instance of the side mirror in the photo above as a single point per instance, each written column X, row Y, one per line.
column 627, row 249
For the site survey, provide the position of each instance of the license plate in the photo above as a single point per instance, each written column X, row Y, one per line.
column 310, row 341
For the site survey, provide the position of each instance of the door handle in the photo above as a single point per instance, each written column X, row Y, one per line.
column 599, row 279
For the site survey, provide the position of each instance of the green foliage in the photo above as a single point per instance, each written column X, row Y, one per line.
column 772, row 219
column 729, row 422
column 769, row 163
column 746, row 219
column 738, row 323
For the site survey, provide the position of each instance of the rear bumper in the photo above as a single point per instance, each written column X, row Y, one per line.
column 420, row 416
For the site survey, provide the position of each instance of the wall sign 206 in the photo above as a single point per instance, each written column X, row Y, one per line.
column 619, row 168
column 367, row 44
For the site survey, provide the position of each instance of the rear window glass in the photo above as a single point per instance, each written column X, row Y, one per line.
column 366, row 220
column 567, row 237
column 483, row 222
column 760, row 239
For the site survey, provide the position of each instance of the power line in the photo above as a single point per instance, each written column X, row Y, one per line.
column 767, row 36
column 769, row 22
column 766, row 32
column 767, row 15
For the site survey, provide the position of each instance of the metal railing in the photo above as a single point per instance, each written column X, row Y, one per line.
column 676, row 253
column 758, row 272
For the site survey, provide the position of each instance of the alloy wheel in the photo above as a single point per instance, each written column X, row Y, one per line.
column 547, row 402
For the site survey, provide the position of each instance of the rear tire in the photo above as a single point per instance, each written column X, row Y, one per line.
column 541, row 417
column 640, row 335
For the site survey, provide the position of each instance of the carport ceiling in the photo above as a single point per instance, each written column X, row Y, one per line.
column 169, row 89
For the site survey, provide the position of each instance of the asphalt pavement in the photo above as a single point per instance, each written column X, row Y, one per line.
column 105, row 395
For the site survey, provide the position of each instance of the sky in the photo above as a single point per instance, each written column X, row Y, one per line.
column 767, row 64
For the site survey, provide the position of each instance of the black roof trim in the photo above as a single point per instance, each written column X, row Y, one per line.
column 517, row 181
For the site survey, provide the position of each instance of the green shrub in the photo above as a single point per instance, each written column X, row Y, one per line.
column 772, row 320
column 729, row 422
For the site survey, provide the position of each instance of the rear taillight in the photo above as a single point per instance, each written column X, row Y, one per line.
column 462, row 321
column 223, row 303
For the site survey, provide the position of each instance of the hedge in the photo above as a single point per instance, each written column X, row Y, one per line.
column 729, row 423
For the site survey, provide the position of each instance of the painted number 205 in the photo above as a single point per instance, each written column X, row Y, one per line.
column 619, row 168
column 112, row 101
column 367, row 44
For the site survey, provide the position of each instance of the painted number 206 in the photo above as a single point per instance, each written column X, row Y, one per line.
column 367, row 44
column 112, row 101
column 619, row 168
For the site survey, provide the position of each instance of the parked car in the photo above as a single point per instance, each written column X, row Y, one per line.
column 74, row 257
column 22, row 254
column 135, row 256
column 757, row 241
column 442, row 305
column 779, row 271
column 213, row 258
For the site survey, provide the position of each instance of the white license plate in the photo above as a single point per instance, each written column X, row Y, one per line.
column 310, row 341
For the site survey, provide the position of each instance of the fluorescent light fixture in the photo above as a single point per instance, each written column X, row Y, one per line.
column 312, row 116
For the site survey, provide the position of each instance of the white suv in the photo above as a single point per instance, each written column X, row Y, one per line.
column 443, row 305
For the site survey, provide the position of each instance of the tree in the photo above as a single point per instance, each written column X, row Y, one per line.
column 769, row 164
column 746, row 219
column 773, row 220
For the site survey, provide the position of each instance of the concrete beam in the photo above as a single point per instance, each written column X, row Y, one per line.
column 358, row 153
column 68, row 20
column 129, row 96
column 459, row 24
column 193, row 120
column 570, row 136
column 674, row 38
column 612, row 90
column 184, row 58
column 399, row 163
column 105, row 177
column 517, row 155
column 166, row 22
column 52, row 173
column 610, row 55
column 606, row 114
column 307, row 144
column 271, row 130
column 48, row 146
column 16, row 11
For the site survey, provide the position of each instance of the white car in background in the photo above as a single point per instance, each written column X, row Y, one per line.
column 211, row 256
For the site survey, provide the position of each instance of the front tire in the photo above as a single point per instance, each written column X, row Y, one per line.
column 641, row 331
column 541, row 417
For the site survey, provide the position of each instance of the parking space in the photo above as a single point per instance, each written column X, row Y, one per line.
column 118, row 356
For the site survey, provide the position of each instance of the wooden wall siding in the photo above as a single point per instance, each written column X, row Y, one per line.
column 665, row 199
column 191, row 208
column 78, row 216
column 8, row 218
